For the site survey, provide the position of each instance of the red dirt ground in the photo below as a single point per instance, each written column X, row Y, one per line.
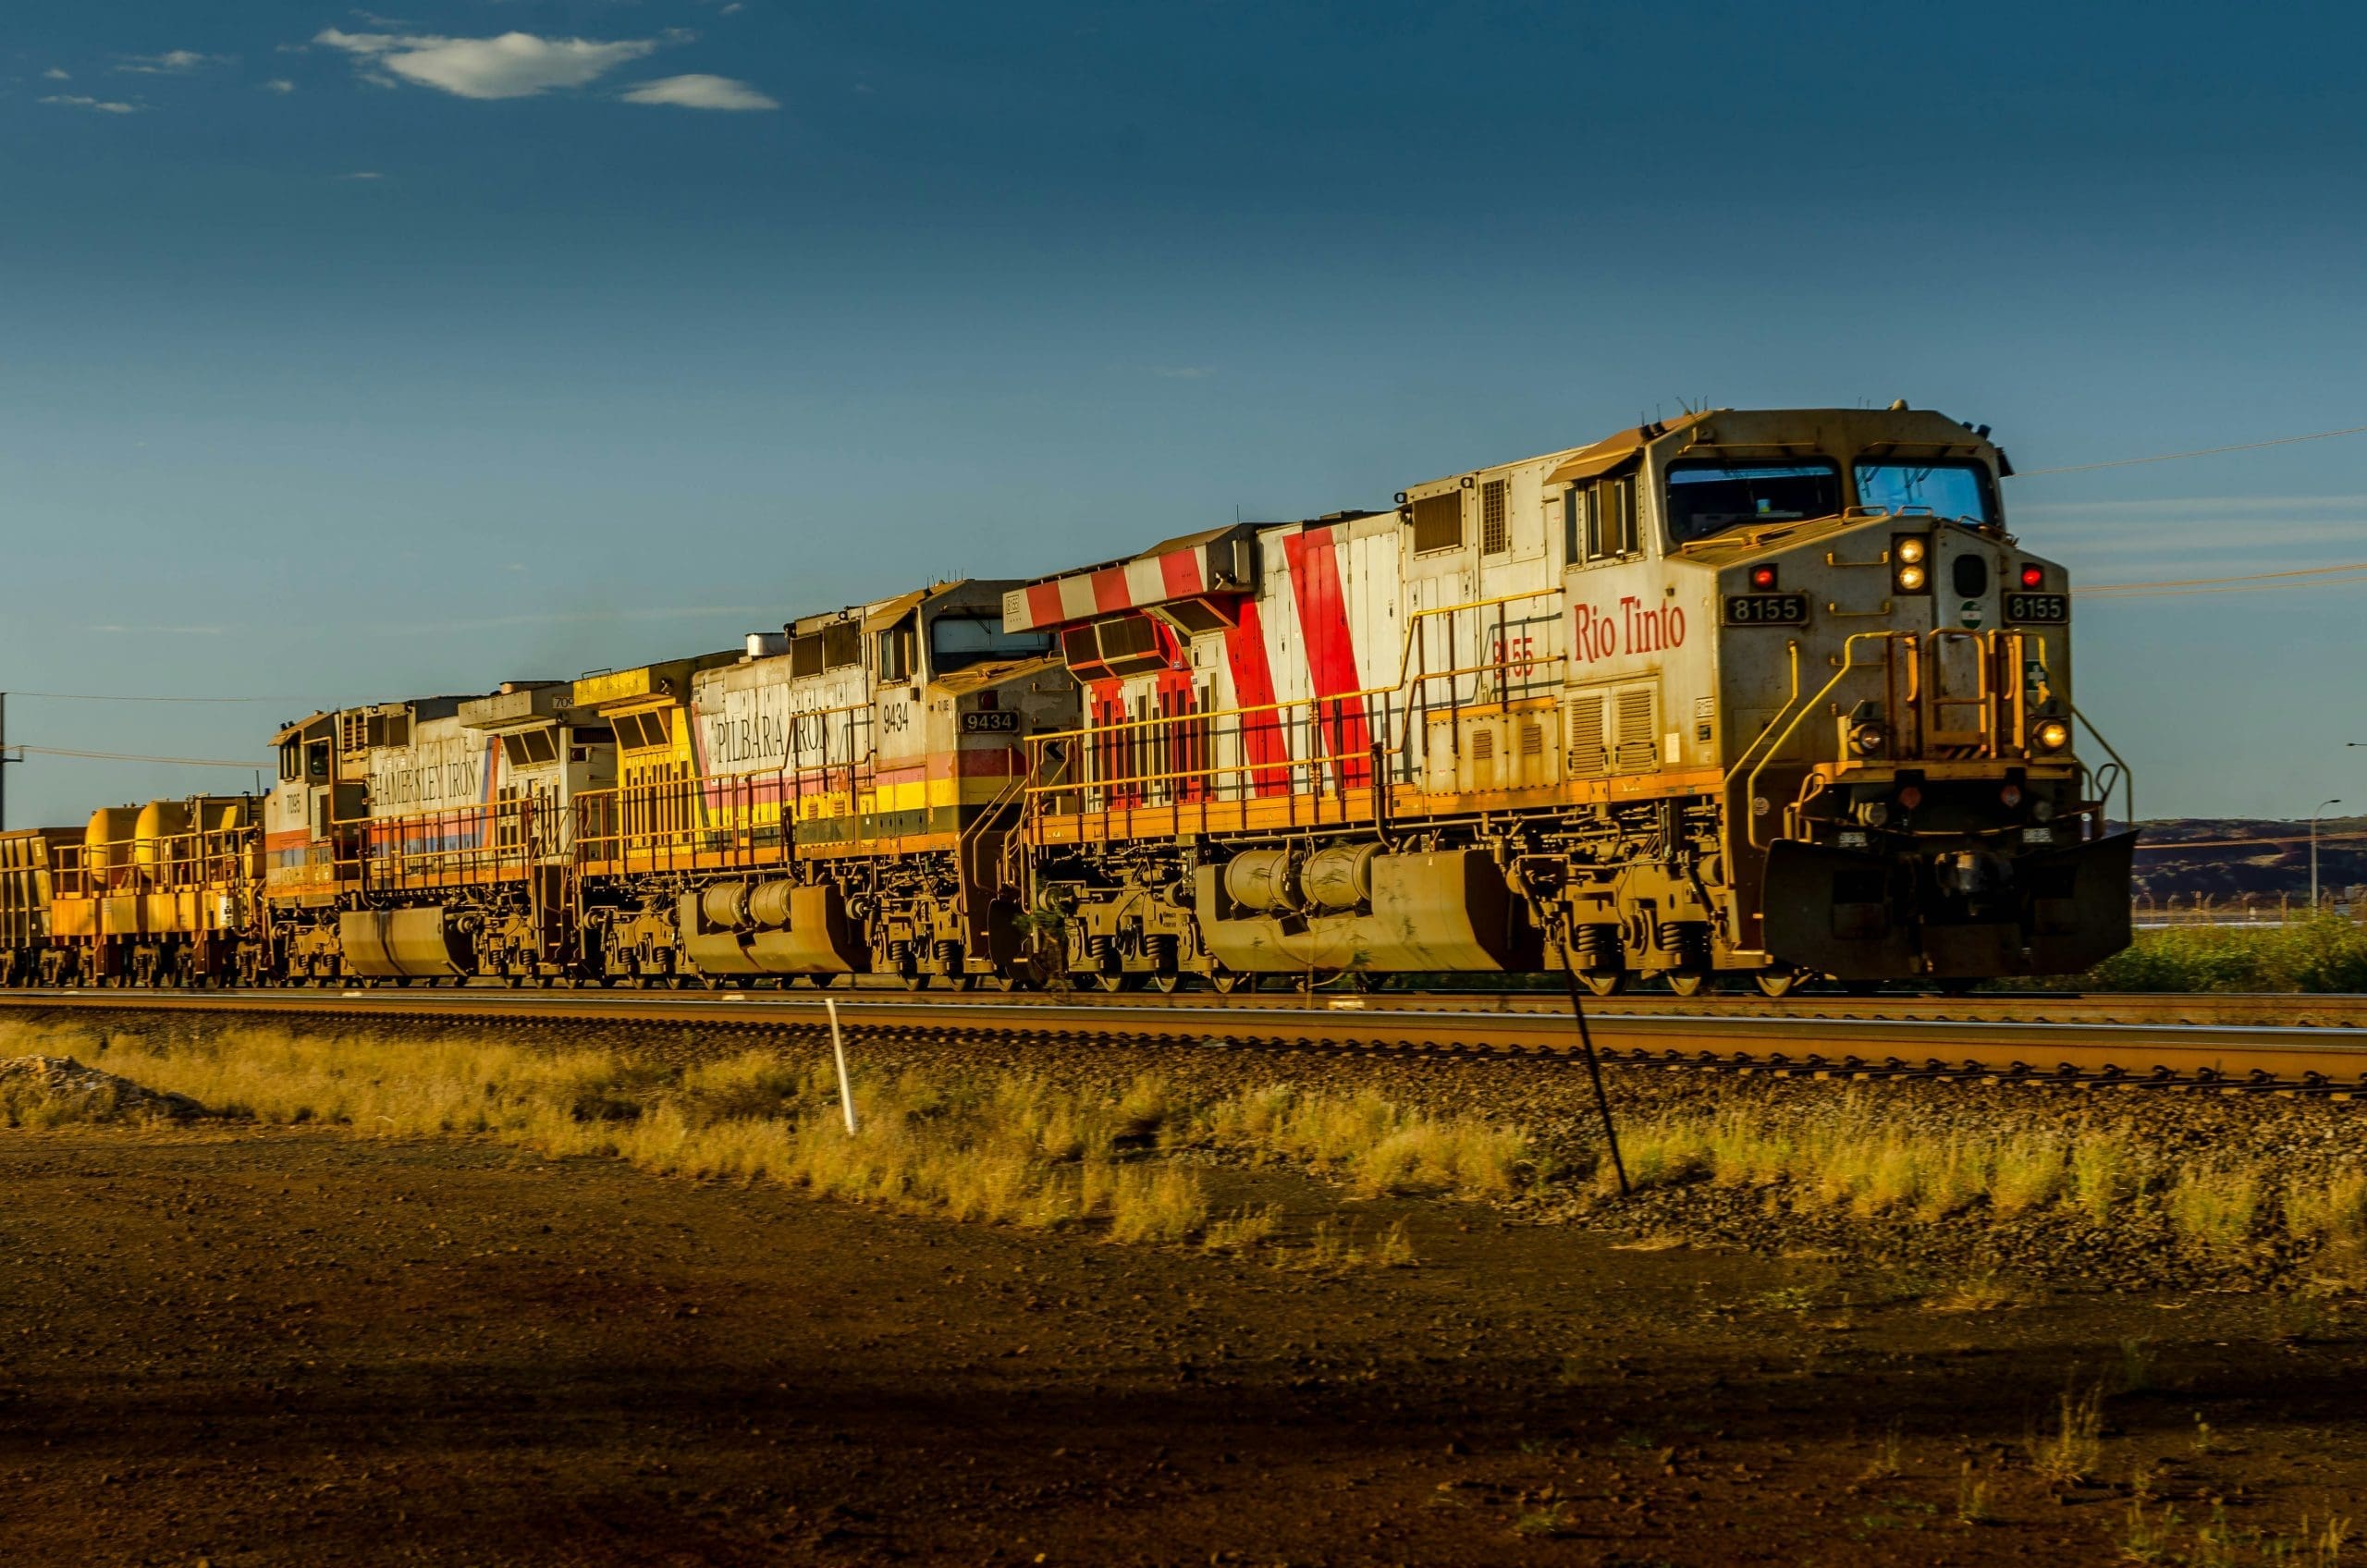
column 260, row 1346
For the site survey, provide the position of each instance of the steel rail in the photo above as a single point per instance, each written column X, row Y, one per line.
column 2241, row 1056
column 2287, row 1009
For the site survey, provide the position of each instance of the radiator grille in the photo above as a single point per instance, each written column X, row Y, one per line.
column 1637, row 743
column 1588, row 758
column 1495, row 537
column 1438, row 522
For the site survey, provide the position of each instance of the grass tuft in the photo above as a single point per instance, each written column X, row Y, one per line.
column 2213, row 1207
column 2069, row 1454
column 1379, row 1147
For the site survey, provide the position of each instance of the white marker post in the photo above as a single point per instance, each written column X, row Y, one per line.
column 838, row 1048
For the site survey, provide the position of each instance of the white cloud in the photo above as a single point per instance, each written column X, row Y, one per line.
column 172, row 62
column 54, row 74
column 732, row 10
column 279, row 84
column 99, row 105
column 697, row 91
column 515, row 65
column 362, row 173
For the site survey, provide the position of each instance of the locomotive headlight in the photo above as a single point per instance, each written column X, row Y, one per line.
column 2052, row 735
column 1870, row 737
column 1910, row 571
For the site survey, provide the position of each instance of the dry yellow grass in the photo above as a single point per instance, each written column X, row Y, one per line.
column 1004, row 1149
column 997, row 1147
column 1985, row 1293
column 1378, row 1146
column 2070, row 1452
column 1856, row 1160
column 2213, row 1207
column 1245, row 1229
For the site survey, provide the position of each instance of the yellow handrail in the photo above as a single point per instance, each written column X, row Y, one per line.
column 1848, row 665
column 1405, row 664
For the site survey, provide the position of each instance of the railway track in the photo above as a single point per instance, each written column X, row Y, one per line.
column 2228, row 1044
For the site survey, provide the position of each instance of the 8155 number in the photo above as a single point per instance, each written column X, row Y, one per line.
column 1767, row 610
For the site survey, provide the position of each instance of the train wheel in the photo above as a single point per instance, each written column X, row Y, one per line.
column 1777, row 982
column 1227, row 981
column 1119, row 981
column 1686, row 982
column 1165, row 983
column 1603, row 982
column 914, row 980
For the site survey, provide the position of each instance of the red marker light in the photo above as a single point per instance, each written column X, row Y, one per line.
column 1762, row 577
column 2033, row 576
column 1910, row 797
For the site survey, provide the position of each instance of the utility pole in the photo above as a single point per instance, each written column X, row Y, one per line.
column 2313, row 851
column 5, row 760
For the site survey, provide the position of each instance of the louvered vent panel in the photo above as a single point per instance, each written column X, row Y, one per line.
column 1588, row 758
column 1438, row 522
column 1495, row 536
column 1637, row 744
column 1532, row 738
column 1483, row 745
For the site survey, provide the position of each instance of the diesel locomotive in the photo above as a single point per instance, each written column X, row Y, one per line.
column 1762, row 692
column 1768, row 693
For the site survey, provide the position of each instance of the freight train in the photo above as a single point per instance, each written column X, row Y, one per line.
column 1771, row 695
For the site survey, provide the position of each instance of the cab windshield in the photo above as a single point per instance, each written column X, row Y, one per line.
column 1954, row 490
column 957, row 641
column 1706, row 498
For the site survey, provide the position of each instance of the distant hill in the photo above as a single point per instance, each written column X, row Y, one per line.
column 2229, row 859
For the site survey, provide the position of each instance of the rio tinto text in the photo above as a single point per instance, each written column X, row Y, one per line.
column 1598, row 634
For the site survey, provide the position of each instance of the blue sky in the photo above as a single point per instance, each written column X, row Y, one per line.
column 346, row 355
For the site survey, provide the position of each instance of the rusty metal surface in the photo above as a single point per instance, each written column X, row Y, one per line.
column 1868, row 1041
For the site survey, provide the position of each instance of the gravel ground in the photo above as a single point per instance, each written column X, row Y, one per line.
column 82, row 1094
column 252, row 1346
column 1552, row 1101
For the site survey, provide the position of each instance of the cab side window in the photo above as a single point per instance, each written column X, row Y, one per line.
column 1599, row 521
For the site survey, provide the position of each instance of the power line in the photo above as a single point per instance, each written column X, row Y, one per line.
column 110, row 697
column 2200, row 452
column 134, row 756
column 2303, row 577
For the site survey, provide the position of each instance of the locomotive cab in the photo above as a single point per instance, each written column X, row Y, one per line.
column 1902, row 791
